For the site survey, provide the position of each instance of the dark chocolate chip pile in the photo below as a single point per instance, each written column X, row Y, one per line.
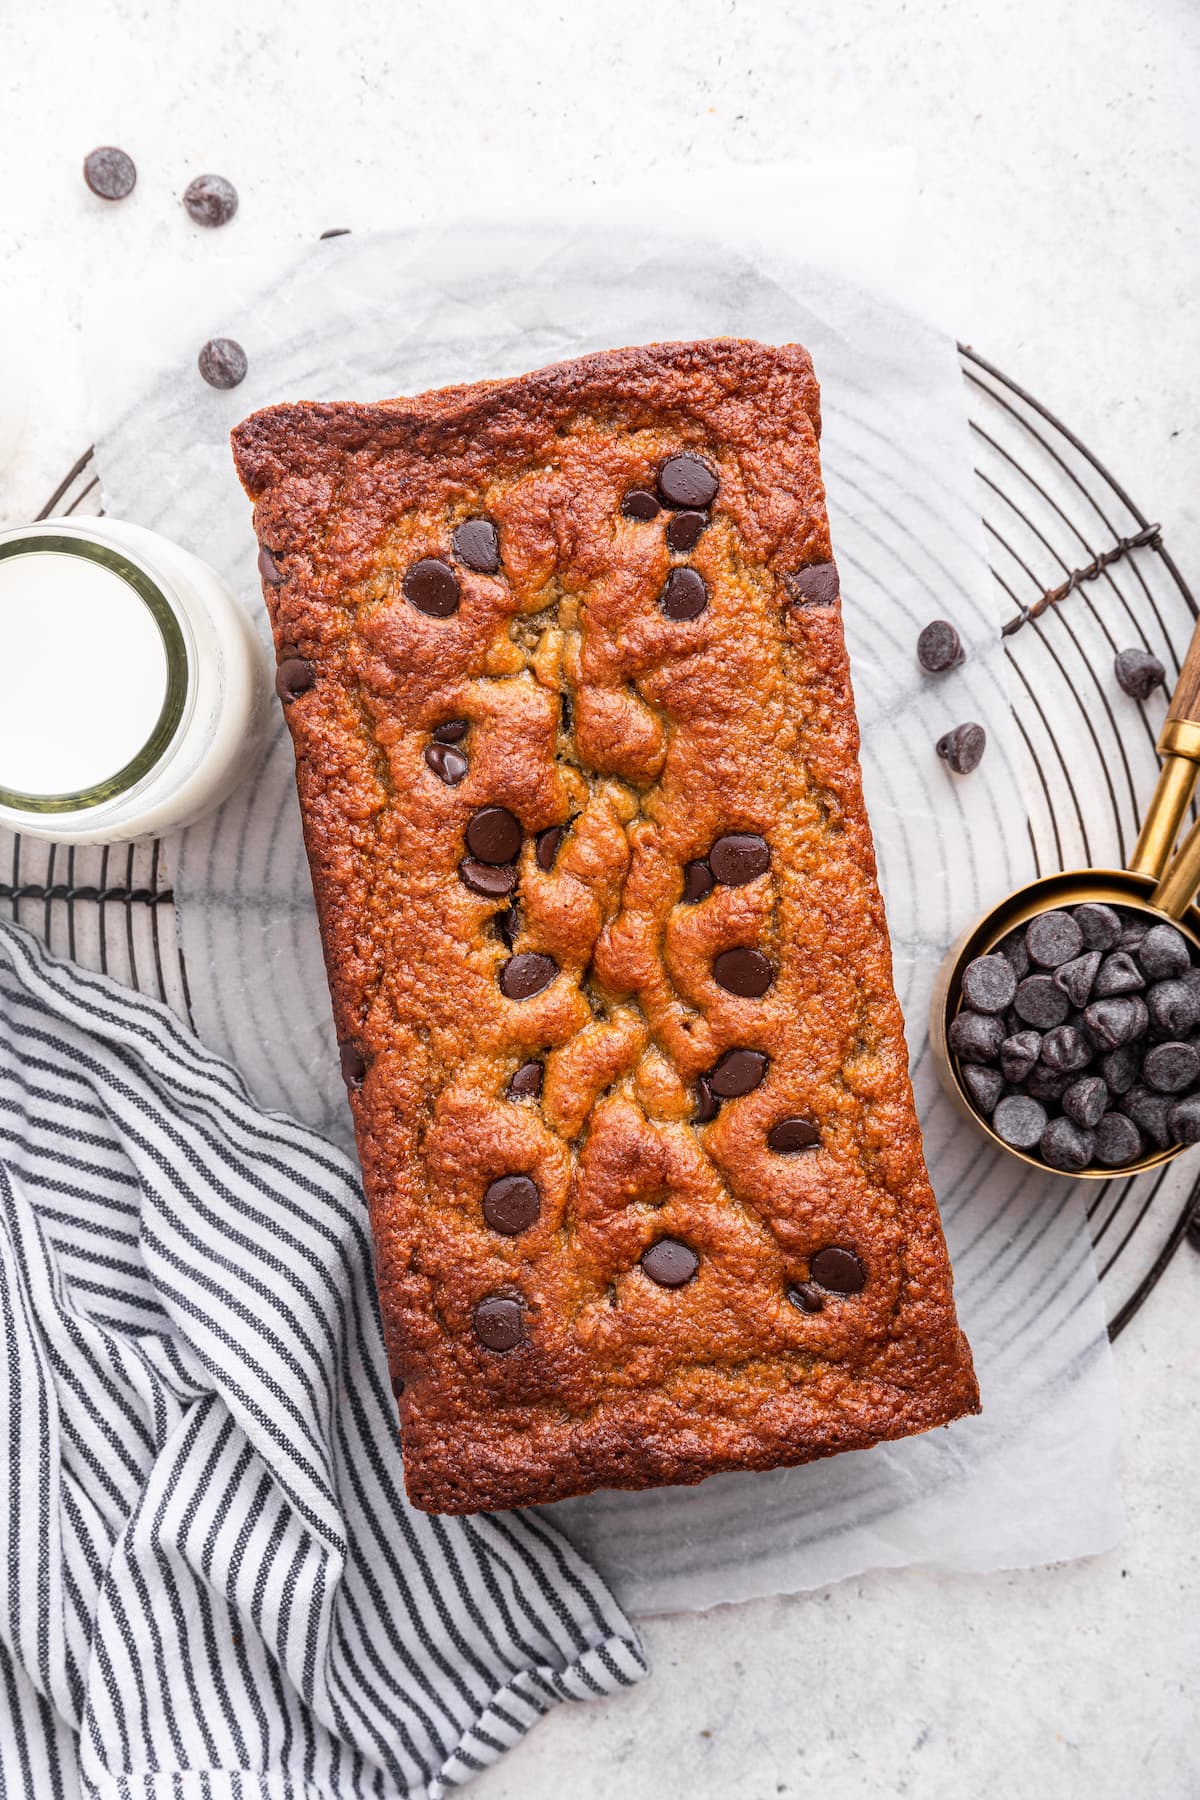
column 1078, row 1036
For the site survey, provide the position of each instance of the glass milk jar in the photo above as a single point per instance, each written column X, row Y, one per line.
column 133, row 686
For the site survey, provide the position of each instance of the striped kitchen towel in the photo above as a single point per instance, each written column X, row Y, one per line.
column 212, row 1586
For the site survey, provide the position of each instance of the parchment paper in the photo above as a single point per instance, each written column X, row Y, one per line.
column 1034, row 1478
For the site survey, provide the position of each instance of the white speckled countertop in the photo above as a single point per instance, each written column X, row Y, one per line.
column 1058, row 158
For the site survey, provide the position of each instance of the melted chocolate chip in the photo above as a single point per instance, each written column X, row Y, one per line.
column 687, row 481
column 838, row 1270
column 512, row 1204
column 486, row 878
column 638, row 504
column 477, row 543
column 739, row 857
column 449, row 764
column 814, row 586
column 452, row 732
column 685, row 595
column 527, row 1082
column 791, row 1134
column 738, row 1072
column 548, row 842
column 706, row 1101
column 697, row 881
column 432, row 587
column 525, row 975
column 109, row 172
column 508, row 924
column 743, row 972
column 222, row 362
column 294, row 676
column 683, row 532
column 269, row 569
column 494, row 835
column 670, row 1263
column 499, row 1322
column 210, row 200
column 806, row 1297
column 353, row 1063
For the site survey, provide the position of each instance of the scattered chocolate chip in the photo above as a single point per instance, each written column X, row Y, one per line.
column 1149, row 1112
column 738, row 857
column 744, row 972
column 335, row 231
column 1077, row 977
column 527, row 974
column 512, row 1204
column 109, row 172
column 1065, row 1145
column 984, row 1085
column 447, row 763
column 1053, row 938
column 1118, row 1021
column 685, row 595
column 1121, row 1068
column 1045, row 1083
column 499, row 1322
column 794, row 1133
column 486, row 878
column 697, row 881
column 1066, row 1050
column 806, row 1297
column 738, row 1072
column 939, row 647
column 432, row 587
column 294, row 676
column 269, row 569
column 547, row 845
column 1118, row 974
column 818, row 585
column 989, row 984
column 353, row 1063
column 1163, row 953
column 1019, row 1122
column 1183, row 1120
column 962, row 749
column 686, row 481
column 976, row 1037
column 669, row 1263
column 452, row 732
column 210, row 200
column 706, row 1101
column 476, row 542
column 1086, row 1101
column 1170, row 1067
column 1174, row 1007
column 837, row 1270
column 494, row 835
column 1099, row 925
column 683, row 531
column 1019, row 1053
column 1117, row 1141
column 527, row 1082
column 1138, row 673
column 1012, row 948
column 1041, row 1002
column 222, row 362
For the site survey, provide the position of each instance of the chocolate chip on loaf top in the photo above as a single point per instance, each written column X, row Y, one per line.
column 578, row 771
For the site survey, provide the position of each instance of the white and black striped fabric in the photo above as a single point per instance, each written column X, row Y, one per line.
column 211, row 1587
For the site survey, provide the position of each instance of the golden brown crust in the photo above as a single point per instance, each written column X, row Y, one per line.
column 740, row 720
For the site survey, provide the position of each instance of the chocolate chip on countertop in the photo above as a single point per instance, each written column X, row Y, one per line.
column 685, row 595
column 1086, row 1101
column 1066, row 1050
column 805, row 1297
column 1174, row 1007
column 1149, row 1112
column 109, row 172
column 984, row 1085
column 294, row 676
column 1118, row 1141
column 939, row 647
column 1118, row 974
column 1019, row 1122
column 222, row 362
column 1018, row 1054
column 1041, row 1002
column 669, row 1263
column 744, row 972
column 334, row 231
column 431, row 586
column 525, row 975
column 494, row 835
column 638, row 504
column 818, row 585
column 791, row 1134
column 499, row 1322
column 989, row 984
column 1053, row 938
column 1118, row 1021
column 1077, row 977
column 1183, row 1120
column 837, row 1270
column 476, row 542
column 487, row 879
column 962, row 748
column 1099, row 925
column 738, row 1072
column 1163, row 953
column 1170, row 1067
column 447, row 763
column 210, row 200
column 697, row 881
column 1012, row 949
column 547, row 845
column 269, row 569
column 353, row 1063
column 1121, row 1068
column 1067, row 1146
column 684, row 530
column 687, row 481
column 452, row 732
column 527, row 1081
column 512, row 1204
column 1138, row 673
column 975, row 1037
column 739, row 857
column 706, row 1101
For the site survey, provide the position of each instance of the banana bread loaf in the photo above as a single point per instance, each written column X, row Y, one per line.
column 562, row 659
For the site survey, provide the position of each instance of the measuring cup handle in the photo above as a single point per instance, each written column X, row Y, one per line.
column 1179, row 747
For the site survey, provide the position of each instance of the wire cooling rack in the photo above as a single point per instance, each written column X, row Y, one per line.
column 1083, row 573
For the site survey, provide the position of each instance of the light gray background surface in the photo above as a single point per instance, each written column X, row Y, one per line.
column 1058, row 160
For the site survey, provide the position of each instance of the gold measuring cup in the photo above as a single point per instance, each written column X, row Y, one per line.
column 1154, row 884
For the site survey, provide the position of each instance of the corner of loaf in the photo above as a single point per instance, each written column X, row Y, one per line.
column 563, row 665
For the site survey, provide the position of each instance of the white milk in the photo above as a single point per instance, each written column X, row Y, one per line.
column 132, row 684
